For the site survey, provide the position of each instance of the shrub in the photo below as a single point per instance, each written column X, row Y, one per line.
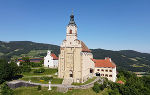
column 96, row 87
column 5, row 90
column 113, row 92
column 39, row 87
column 26, row 68
column 46, row 78
column 41, row 70
column 101, row 86
column 36, row 64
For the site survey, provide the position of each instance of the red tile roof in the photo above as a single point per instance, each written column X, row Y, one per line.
column 54, row 56
column 31, row 59
column 85, row 48
column 120, row 82
column 104, row 62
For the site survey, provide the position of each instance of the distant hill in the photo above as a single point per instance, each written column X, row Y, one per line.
column 16, row 48
column 124, row 59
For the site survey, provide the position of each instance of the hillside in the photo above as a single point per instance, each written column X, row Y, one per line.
column 16, row 48
column 124, row 59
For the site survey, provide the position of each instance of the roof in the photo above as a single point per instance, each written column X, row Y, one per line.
column 84, row 47
column 120, row 82
column 54, row 56
column 104, row 63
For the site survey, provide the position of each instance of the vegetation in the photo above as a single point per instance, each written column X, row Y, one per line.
column 96, row 87
column 43, row 80
column 5, row 90
column 8, row 71
column 39, row 87
column 48, row 71
column 25, row 69
column 17, row 48
column 41, row 70
column 133, row 86
column 45, row 91
column 125, row 59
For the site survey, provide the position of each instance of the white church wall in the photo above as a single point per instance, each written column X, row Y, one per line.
column 49, row 62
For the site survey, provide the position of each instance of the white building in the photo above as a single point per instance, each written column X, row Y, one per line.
column 51, row 60
column 105, row 68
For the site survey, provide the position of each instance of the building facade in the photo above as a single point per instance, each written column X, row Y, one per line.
column 75, row 58
column 51, row 60
column 105, row 68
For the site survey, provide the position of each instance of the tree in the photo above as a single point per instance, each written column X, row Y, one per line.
column 114, row 92
column 96, row 87
column 5, row 71
column 39, row 87
column 15, row 69
column 5, row 90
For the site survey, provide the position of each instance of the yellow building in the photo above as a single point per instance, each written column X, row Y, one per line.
column 75, row 62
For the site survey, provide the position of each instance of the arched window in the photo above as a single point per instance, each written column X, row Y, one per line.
column 71, row 73
column 70, row 32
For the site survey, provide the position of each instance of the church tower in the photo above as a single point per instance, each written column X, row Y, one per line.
column 71, row 29
column 75, row 62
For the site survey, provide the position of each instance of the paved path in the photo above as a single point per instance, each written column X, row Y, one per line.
column 59, row 85
column 38, row 76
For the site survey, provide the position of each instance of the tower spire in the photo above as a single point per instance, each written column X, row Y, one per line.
column 72, row 22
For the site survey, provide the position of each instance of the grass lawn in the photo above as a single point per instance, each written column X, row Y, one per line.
column 39, row 80
column 88, row 81
column 44, row 91
column 48, row 71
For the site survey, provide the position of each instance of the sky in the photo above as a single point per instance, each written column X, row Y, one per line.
column 106, row 24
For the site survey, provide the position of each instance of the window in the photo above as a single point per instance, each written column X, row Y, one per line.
column 106, row 75
column 110, row 75
column 106, row 70
column 97, row 69
column 91, row 70
column 110, row 70
column 102, row 70
column 48, row 60
column 102, row 74
column 70, row 32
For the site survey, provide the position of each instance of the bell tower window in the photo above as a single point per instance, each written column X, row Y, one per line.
column 70, row 32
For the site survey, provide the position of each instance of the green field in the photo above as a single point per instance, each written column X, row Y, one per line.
column 48, row 71
column 44, row 91
column 39, row 80
column 35, row 53
column 40, row 77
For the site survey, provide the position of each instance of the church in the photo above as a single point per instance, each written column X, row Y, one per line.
column 76, row 62
column 51, row 60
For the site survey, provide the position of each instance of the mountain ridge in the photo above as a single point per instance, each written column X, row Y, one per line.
column 125, row 59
